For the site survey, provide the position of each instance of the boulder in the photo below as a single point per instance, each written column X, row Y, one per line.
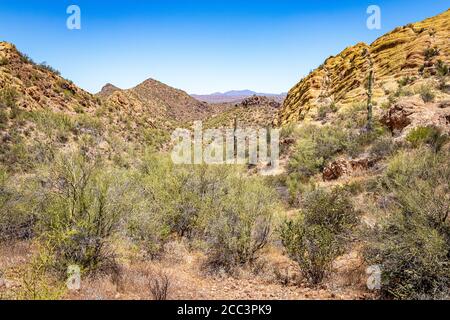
column 343, row 167
column 398, row 116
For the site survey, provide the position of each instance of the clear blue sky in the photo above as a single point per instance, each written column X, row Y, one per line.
column 198, row 46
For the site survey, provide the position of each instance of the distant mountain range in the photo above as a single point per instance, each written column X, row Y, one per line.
column 236, row 96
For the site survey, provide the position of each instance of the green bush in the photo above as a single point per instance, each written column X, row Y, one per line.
column 323, row 110
column 315, row 147
column 228, row 213
column 442, row 68
column 320, row 233
column 239, row 224
column 84, row 206
column 314, row 248
column 430, row 53
column 421, row 182
column 330, row 209
column 413, row 256
column 413, row 245
column 406, row 81
column 18, row 204
column 427, row 135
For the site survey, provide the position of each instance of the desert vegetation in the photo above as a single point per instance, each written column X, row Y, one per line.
column 86, row 181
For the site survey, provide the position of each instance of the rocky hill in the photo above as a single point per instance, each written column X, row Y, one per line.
column 158, row 99
column 38, row 86
column 254, row 111
column 236, row 96
column 410, row 51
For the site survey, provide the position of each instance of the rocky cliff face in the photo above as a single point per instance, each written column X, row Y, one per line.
column 39, row 86
column 412, row 50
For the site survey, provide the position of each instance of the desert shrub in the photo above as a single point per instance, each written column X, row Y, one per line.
column 330, row 209
column 382, row 147
column 156, row 137
column 18, row 202
column 51, row 122
column 358, row 141
column 229, row 213
column 353, row 117
column 429, row 53
column 406, row 81
column 8, row 97
column 319, row 234
column 160, row 285
column 427, row 135
column 37, row 285
column 316, row 146
column 26, row 59
column 84, row 205
column 401, row 92
column 86, row 124
column 413, row 244
column 150, row 224
column 4, row 118
column 314, row 248
column 239, row 224
column 442, row 68
column 421, row 182
column 413, row 257
column 426, row 93
column 323, row 110
column 287, row 130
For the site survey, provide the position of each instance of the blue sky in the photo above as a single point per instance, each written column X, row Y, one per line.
column 198, row 46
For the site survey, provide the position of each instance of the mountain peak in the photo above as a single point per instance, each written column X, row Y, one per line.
column 108, row 89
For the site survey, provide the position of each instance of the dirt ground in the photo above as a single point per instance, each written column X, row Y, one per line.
column 274, row 277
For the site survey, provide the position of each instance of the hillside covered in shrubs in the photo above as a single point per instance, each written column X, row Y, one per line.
column 87, row 181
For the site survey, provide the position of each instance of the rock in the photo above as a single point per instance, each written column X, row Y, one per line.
column 335, row 170
column 398, row 116
column 444, row 104
column 256, row 101
column 342, row 167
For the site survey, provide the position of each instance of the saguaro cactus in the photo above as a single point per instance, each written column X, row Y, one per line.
column 369, row 102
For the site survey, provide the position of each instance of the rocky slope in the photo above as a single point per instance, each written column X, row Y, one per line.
column 39, row 86
column 412, row 50
column 158, row 99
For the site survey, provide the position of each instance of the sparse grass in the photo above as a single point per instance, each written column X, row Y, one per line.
column 426, row 93
column 8, row 97
column 427, row 135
